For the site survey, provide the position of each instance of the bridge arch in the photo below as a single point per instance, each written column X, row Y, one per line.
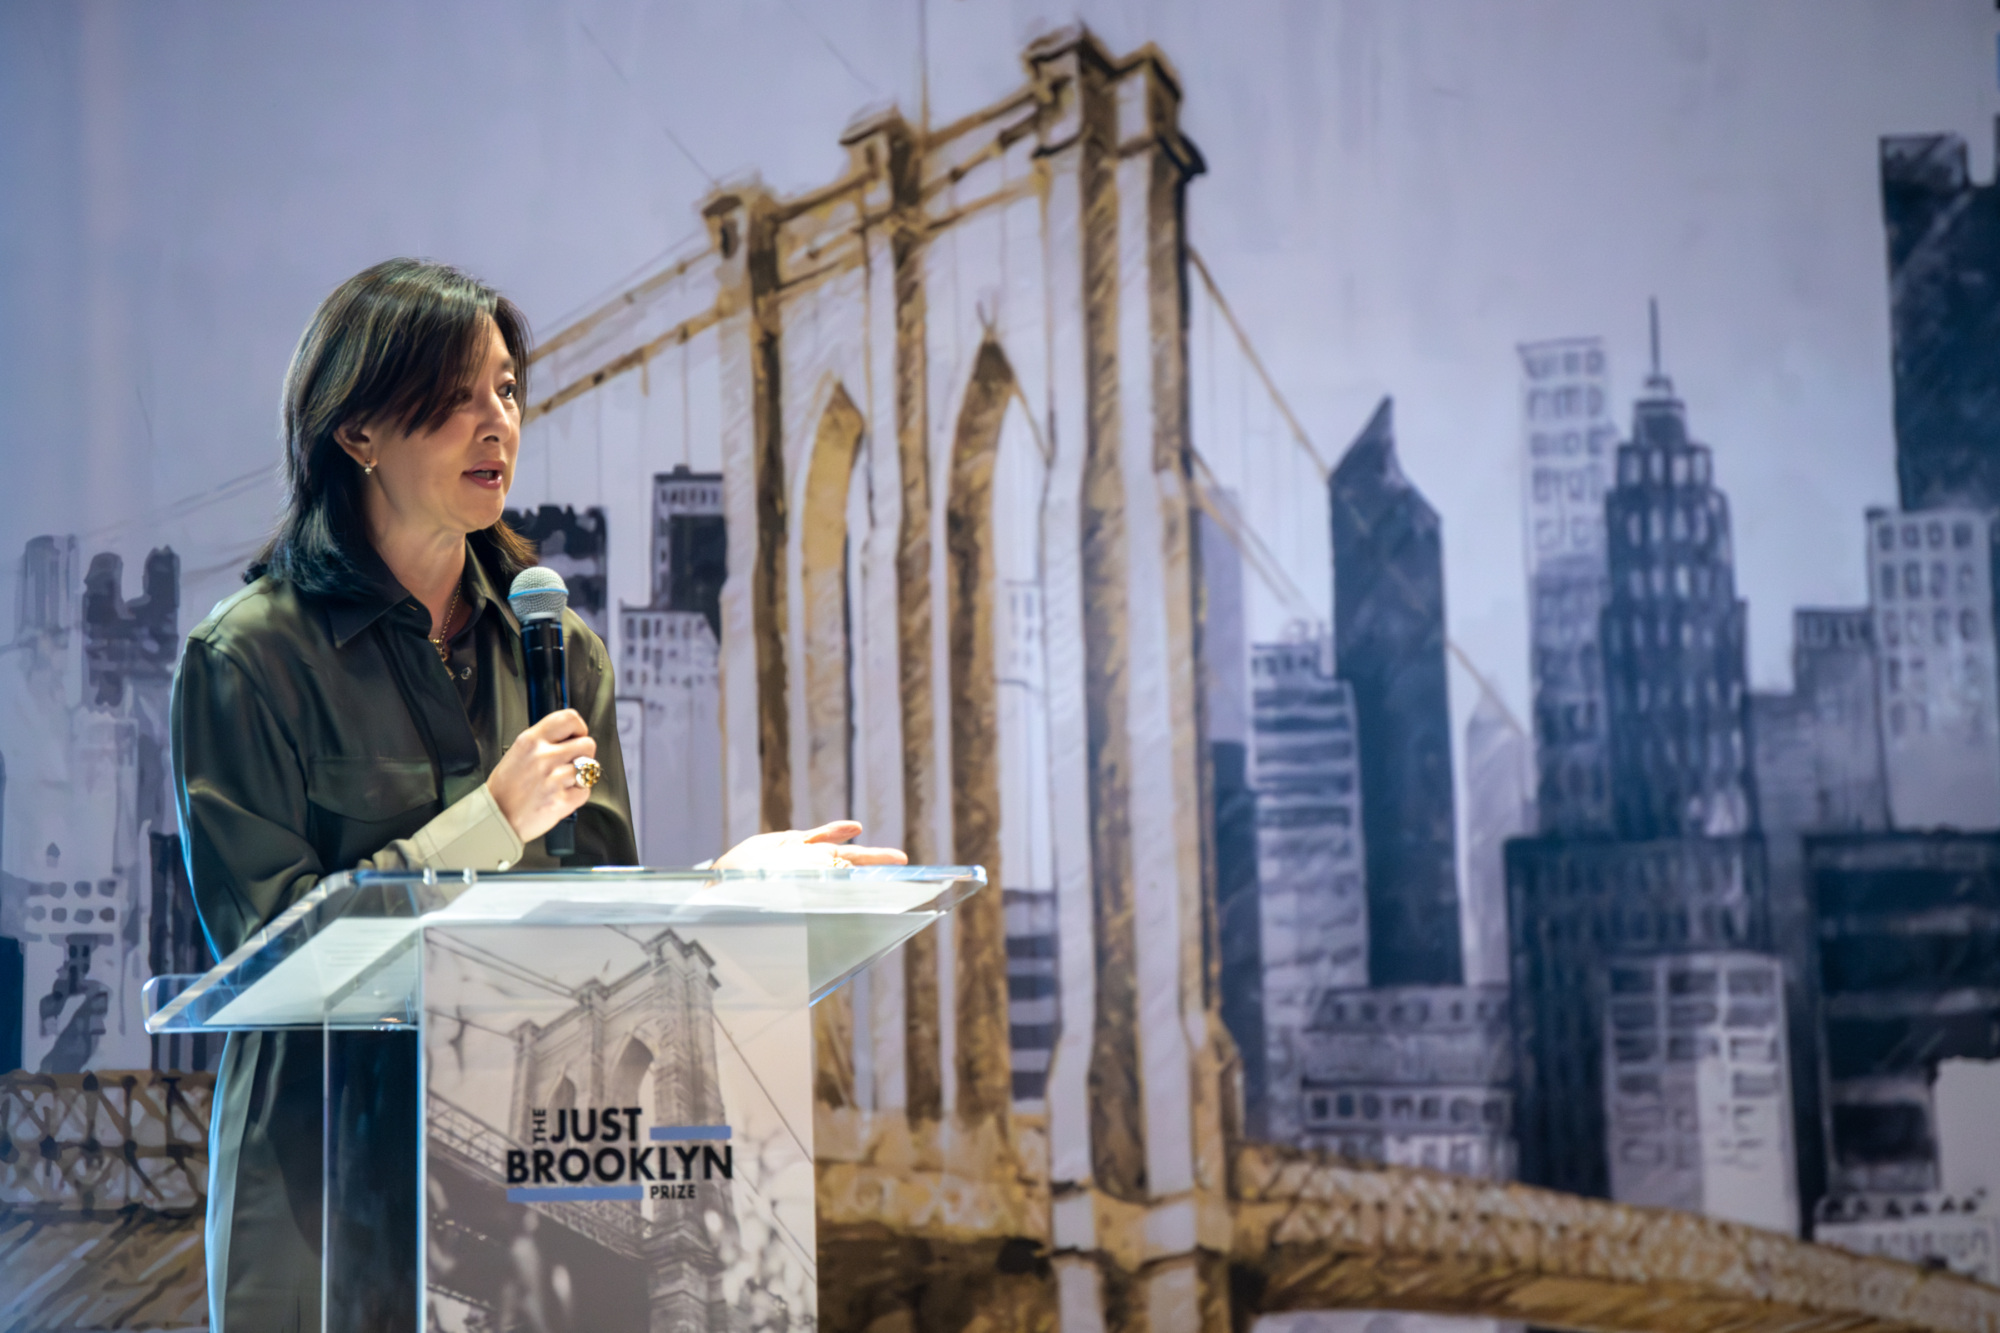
column 831, row 502
column 998, row 726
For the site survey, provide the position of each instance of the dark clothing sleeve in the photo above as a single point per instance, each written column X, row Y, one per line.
column 249, row 799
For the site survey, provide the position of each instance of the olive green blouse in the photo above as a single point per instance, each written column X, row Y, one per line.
column 315, row 736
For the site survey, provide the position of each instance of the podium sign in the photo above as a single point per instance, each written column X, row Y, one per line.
column 609, row 1109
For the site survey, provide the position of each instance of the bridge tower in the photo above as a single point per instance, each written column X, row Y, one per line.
column 911, row 331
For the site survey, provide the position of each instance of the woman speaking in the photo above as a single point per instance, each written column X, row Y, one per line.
column 361, row 703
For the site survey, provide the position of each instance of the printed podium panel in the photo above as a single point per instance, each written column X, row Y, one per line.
column 564, row 1101
column 617, row 1127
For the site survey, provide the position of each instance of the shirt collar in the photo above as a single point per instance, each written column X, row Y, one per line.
column 484, row 593
column 350, row 616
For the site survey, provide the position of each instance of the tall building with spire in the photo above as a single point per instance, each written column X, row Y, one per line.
column 1674, row 635
column 1681, row 872
column 1389, row 646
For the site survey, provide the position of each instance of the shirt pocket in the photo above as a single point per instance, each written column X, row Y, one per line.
column 367, row 798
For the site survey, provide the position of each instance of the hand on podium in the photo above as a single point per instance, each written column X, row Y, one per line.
column 828, row 847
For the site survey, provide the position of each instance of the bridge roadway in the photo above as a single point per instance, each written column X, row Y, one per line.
column 900, row 1229
column 951, row 1230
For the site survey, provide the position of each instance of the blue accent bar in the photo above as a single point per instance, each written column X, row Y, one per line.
column 573, row 1193
column 662, row 1132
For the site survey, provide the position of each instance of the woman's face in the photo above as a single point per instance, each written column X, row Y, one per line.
column 453, row 479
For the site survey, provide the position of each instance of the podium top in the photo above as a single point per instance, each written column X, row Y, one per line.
column 345, row 956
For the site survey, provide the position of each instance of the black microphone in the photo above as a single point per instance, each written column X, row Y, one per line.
column 538, row 598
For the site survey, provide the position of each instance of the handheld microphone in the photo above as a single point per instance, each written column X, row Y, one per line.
column 538, row 597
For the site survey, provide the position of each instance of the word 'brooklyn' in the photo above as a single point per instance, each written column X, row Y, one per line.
column 620, row 1166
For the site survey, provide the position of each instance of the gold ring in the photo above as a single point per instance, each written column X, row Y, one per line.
column 588, row 771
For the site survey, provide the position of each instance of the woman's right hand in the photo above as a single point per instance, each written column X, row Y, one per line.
column 534, row 784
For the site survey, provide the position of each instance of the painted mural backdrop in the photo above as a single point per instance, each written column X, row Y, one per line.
column 1466, row 643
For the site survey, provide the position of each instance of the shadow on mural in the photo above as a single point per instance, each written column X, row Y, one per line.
column 1208, row 1051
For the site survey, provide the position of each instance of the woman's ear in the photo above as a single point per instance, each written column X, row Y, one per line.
column 355, row 441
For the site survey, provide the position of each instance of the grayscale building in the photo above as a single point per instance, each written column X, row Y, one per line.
column 573, row 545
column 1818, row 750
column 1909, row 970
column 1574, row 903
column 1697, row 1087
column 1569, row 439
column 90, row 779
column 1674, row 649
column 668, row 658
column 1683, row 870
column 1818, row 755
column 1944, row 265
column 1226, row 712
column 1933, row 1230
column 1499, row 805
column 1312, row 911
column 690, row 544
column 1411, row 1076
column 1389, row 646
column 1834, row 675
column 1931, row 587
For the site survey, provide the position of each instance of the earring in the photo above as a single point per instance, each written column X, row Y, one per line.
column 367, row 469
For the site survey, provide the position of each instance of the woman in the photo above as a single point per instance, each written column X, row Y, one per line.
column 361, row 704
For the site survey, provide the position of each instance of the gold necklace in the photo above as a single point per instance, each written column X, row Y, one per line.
column 450, row 609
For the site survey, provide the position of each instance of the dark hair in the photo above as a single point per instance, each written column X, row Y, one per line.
column 401, row 342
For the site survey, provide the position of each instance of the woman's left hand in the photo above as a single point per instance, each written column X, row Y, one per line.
column 828, row 847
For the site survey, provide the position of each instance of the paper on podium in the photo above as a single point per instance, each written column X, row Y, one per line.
column 301, row 989
column 851, row 920
column 612, row 898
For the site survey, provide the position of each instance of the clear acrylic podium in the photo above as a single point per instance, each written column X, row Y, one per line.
column 608, row 1109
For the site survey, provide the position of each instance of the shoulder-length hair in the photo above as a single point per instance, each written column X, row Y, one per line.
column 401, row 343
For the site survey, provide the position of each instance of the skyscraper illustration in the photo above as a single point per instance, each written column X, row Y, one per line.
column 1699, row 1110
column 668, row 661
column 1931, row 586
column 1227, row 710
column 1906, row 981
column 1569, row 438
column 1499, row 805
column 1389, row 646
column 1411, row 1075
column 1682, row 870
column 89, row 678
column 1313, row 923
column 1944, row 260
column 1674, row 635
column 1818, row 756
column 574, row 546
